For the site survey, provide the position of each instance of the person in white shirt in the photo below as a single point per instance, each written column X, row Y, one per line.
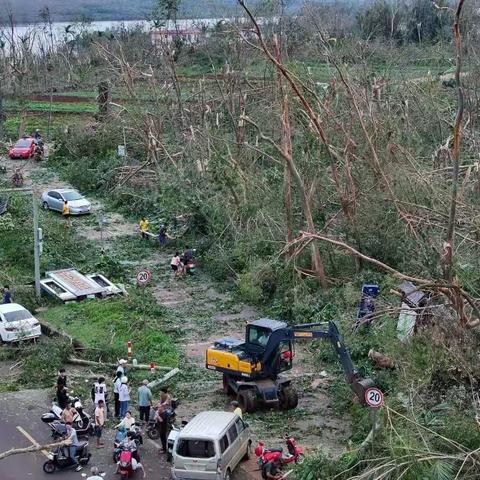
column 99, row 392
column 116, row 385
column 121, row 366
column 127, row 422
column 123, row 396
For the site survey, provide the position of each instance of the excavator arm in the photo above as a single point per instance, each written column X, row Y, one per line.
column 358, row 384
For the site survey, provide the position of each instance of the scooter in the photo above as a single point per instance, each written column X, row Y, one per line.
column 295, row 453
column 58, row 459
column 82, row 422
column 125, row 464
column 120, row 436
column 153, row 428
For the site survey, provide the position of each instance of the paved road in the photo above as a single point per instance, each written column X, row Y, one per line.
column 24, row 409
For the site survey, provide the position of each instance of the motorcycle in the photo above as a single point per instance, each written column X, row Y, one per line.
column 295, row 453
column 125, row 464
column 153, row 427
column 82, row 422
column 120, row 436
column 58, row 459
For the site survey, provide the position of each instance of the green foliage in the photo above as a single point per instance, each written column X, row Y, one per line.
column 106, row 326
column 42, row 361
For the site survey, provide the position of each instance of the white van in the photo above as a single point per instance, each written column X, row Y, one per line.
column 210, row 446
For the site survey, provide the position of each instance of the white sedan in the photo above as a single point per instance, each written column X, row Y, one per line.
column 17, row 323
column 55, row 199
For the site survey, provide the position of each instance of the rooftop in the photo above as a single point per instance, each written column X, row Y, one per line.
column 207, row 424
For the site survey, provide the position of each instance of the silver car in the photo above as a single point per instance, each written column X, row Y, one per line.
column 210, row 447
column 55, row 199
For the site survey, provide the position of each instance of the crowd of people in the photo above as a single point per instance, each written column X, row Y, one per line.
column 122, row 412
column 180, row 264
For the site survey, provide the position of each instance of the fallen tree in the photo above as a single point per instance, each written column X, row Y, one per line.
column 33, row 449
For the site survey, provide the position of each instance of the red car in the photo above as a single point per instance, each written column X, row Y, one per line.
column 24, row 148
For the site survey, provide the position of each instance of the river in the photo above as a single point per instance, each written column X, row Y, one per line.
column 38, row 35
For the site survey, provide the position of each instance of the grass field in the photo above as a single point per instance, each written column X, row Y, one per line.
column 105, row 326
column 55, row 107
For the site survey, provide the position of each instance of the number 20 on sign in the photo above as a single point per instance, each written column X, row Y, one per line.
column 143, row 277
column 374, row 397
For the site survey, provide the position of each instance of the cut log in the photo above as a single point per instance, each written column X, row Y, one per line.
column 381, row 360
column 81, row 361
column 166, row 377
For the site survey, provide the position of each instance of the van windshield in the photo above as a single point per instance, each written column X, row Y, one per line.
column 196, row 448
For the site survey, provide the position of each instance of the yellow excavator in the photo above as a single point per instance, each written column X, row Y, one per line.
column 252, row 368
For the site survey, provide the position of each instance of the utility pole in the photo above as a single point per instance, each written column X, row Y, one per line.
column 36, row 247
column 36, row 236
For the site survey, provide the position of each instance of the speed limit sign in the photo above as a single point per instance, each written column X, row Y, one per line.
column 374, row 397
column 144, row 276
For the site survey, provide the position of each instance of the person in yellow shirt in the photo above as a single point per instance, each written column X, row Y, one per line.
column 144, row 224
column 66, row 213
column 236, row 409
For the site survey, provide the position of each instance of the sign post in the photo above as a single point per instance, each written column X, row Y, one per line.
column 374, row 399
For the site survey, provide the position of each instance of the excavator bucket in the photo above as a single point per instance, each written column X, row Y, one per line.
column 360, row 386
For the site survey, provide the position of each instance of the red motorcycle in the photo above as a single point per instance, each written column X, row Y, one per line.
column 125, row 464
column 295, row 453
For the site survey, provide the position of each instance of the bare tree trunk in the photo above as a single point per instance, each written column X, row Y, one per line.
column 102, row 100
column 455, row 151
column 286, row 147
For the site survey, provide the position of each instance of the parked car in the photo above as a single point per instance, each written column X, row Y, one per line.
column 17, row 323
column 24, row 148
column 55, row 199
column 210, row 446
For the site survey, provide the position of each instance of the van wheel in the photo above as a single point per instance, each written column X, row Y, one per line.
column 248, row 453
column 228, row 475
column 247, row 400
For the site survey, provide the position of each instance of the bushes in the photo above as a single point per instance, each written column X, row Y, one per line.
column 42, row 361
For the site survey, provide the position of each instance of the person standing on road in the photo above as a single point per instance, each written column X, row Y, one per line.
column 7, row 295
column 116, row 385
column 61, row 379
column 144, row 401
column 176, row 264
column 99, row 422
column 99, row 391
column 62, row 392
column 122, row 366
column 163, row 236
column 144, row 225
column 72, row 448
column 124, row 396
column 162, row 416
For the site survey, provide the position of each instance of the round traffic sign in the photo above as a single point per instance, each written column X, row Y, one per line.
column 374, row 397
column 144, row 276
